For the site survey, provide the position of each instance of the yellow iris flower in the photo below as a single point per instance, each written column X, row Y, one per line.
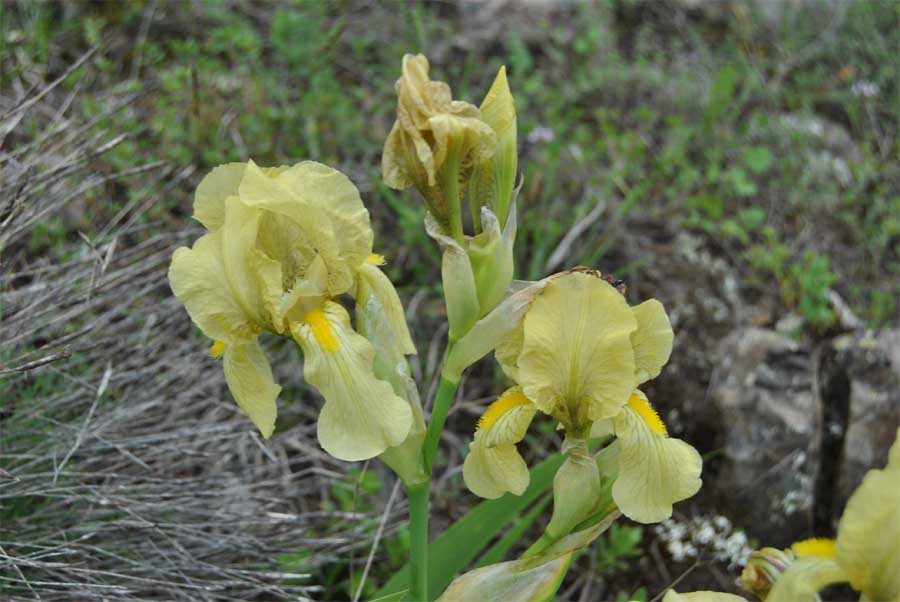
column 282, row 245
column 866, row 552
column 578, row 355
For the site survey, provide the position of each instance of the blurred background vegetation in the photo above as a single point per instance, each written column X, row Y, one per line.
column 736, row 160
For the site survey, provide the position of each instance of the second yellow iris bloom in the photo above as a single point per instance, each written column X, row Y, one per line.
column 579, row 354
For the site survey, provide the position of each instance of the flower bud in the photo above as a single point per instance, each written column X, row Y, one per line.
column 434, row 143
column 493, row 181
column 763, row 569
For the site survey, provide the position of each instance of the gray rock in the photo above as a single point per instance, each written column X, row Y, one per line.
column 780, row 469
column 763, row 390
column 874, row 369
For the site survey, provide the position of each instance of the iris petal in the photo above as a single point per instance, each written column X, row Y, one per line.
column 655, row 471
column 209, row 200
column 576, row 356
column 249, row 378
column 652, row 341
column 803, row 579
column 197, row 277
column 868, row 540
column 493, row 465
column 362, row 415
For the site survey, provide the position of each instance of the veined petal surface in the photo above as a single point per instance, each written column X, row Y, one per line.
column 804, row 578
column 655, row 471
column 334, row 193
column 362, row 415
column 260, row 190
column 576, row 357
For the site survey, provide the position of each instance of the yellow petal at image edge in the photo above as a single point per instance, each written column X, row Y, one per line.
column 868, row 538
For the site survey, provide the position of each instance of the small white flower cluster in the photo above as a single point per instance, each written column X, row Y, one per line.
column 865, row 88
column 714, row 536
column 540, row 134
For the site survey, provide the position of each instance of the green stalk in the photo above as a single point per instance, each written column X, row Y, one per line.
column 543, row 542
column 445, row 394
column 418, row 493
column 418, row 540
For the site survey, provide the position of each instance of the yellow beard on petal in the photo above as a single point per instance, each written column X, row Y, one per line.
column 647, row 414
column 375, row 259
column 816, row 546
column 500, row 407
column 321, row 329
column 217, row 348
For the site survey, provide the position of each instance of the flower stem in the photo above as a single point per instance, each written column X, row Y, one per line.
column 417, row 493
column 543, row 542
column 445, row 394
column 418, row 540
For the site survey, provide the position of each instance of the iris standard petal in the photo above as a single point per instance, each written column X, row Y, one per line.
column 249, row 378
column 239, row 237
column 362, row 415
column 197, row 277
column 652, row 341
column 260, row 190
column 868, row 539
column 209, row 199
column 655, row 471
column 333, row 192
column 493, row 465
column 576, row 361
